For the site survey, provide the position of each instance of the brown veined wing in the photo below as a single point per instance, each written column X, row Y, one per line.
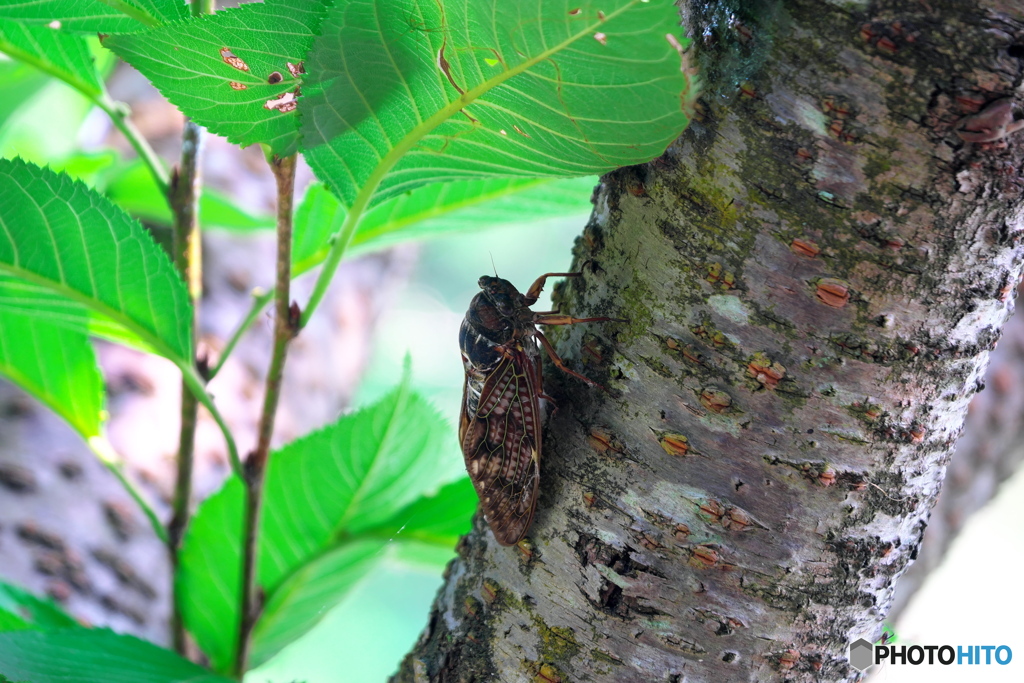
column 501, row 444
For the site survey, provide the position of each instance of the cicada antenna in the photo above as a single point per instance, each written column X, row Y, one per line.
column 492, row 264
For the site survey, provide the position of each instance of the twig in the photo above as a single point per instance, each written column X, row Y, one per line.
column 259, row 300
column 339, row 244
column 183, row 195
column 118, row 114
column 285, row 328
column 112, row 461
column 185, row 188
column 198, row 388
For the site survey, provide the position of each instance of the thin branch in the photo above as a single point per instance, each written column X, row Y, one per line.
column 285, row 328
column 113, row 462
column 182, row 509
column 198, row 388
column 186, row 185
column 118, row 114
column 185, row 189
column 259, row 301
column 339, row 243
column 183, row 195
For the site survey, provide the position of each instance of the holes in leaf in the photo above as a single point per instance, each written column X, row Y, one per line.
column 284, row 103
column 601, row 38
column 235, row 85
column 230, row 58
column 275, row 78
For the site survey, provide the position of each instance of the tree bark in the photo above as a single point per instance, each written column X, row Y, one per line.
column 989, row 452
column 814, row 275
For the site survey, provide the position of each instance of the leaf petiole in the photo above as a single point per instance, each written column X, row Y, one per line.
column 260, row 299
column 113, row 462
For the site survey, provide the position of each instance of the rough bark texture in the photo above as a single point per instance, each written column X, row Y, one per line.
column 814, row 274
column 990, row 450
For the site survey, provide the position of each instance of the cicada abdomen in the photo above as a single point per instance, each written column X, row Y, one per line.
column 500, row 425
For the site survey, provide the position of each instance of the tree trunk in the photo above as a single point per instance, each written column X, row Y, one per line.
column 814, row 275
column 989, row 452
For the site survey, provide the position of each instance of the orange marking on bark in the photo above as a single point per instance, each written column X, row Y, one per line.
column 704, row 557
column 674, row 444
column 832, row 292
column 805, row 248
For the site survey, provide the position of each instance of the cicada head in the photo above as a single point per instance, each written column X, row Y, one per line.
column 503, row 295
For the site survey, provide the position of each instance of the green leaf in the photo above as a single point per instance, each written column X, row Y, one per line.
column 403, row 93
column 19, row 84
column 134, row 190
column 82, row 16
column 162, row 11
column 12, row 622
column 33, row 611
column 434, row 210
column 439, row 519
column 422, row 555
column 209, row 579
column 57, row 233
column 20, row 297
column 56, row 365
column 188, row 63
column 46, row 124
column 59, row 54
column 93, row 656
column 303, row 600
column 343, row 480
column 92, row 168
column 349, row 477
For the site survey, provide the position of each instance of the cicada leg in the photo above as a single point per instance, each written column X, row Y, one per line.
column 533, row 293
column 539, row 383
column 560, row 364
column 562, row 319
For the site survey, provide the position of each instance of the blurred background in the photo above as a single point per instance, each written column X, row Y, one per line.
column 408, row 300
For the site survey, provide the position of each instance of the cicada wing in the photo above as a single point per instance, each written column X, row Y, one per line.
column 501, row 444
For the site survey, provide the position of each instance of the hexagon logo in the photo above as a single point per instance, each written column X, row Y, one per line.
column 862, row 654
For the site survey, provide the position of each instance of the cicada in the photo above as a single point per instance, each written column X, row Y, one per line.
column 500, row 425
